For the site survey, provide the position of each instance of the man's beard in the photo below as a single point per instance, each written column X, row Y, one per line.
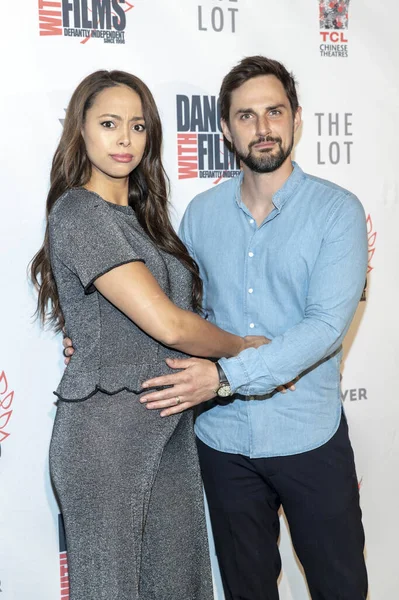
column 268, row 161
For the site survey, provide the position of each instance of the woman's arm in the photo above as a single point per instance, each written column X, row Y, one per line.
column 134, row 290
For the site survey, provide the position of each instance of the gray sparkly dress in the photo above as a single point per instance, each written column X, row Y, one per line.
column 128, row 481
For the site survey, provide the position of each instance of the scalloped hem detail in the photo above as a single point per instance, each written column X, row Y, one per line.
column 100, row 389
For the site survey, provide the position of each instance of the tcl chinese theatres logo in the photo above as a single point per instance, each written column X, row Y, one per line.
column 334, row 21
column 333, row 14
column 6, row 400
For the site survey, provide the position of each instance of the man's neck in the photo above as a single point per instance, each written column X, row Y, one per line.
column 258, row 189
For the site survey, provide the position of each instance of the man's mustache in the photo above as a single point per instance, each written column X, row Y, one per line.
column 267, row 138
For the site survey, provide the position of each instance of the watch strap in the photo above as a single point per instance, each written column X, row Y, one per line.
column 222, row 375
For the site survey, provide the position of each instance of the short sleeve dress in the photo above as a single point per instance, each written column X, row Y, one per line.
column 127, row 481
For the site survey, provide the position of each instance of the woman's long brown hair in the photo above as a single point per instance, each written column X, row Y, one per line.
column 148, row 190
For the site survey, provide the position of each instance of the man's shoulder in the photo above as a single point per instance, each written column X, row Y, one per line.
column 329, row 188
column 331, row 194
column 221, row 193
column 333, row 200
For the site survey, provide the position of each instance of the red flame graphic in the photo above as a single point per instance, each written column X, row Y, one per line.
column 6, row 400
column 371, row 236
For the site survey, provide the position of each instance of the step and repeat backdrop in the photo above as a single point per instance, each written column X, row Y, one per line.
column 345, row 57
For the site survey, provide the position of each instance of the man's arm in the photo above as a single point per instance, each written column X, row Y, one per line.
column 335, row 287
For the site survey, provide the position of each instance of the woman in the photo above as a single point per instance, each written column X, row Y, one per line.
column 127, row 481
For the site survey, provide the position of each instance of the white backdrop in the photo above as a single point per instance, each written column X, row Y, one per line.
column 346, row 66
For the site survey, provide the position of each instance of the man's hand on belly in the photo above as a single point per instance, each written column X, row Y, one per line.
column 195, row 384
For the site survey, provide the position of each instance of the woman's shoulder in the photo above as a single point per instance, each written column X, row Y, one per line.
column 78, row 204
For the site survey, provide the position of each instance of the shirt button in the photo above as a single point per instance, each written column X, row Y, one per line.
column 251, row 221
column 252, row 325
column 250, row 290
column 250, row 254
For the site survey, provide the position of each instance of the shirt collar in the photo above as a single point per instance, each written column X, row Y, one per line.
column 283, row 194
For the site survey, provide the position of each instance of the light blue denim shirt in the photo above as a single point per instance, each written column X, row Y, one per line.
column 297, row 279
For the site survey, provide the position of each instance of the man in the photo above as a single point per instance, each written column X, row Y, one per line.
column 284, row 255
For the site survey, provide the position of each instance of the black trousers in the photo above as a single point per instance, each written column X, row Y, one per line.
column 319, row 493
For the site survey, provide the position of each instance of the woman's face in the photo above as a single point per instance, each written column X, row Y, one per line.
column 114, row 132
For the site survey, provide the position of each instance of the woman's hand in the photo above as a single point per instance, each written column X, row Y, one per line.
column 254, row 341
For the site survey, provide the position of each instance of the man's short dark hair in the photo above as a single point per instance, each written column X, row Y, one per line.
column 255, row 66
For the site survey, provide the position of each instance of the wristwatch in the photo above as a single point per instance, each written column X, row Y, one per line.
column 224, row 390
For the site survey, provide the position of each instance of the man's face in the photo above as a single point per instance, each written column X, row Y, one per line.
column 261, row 124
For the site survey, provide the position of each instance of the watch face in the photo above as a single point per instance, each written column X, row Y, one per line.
column 224, row 391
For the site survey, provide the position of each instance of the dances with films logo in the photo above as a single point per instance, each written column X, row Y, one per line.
column 104, row 19
column 334, row 19
column 201, row 151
